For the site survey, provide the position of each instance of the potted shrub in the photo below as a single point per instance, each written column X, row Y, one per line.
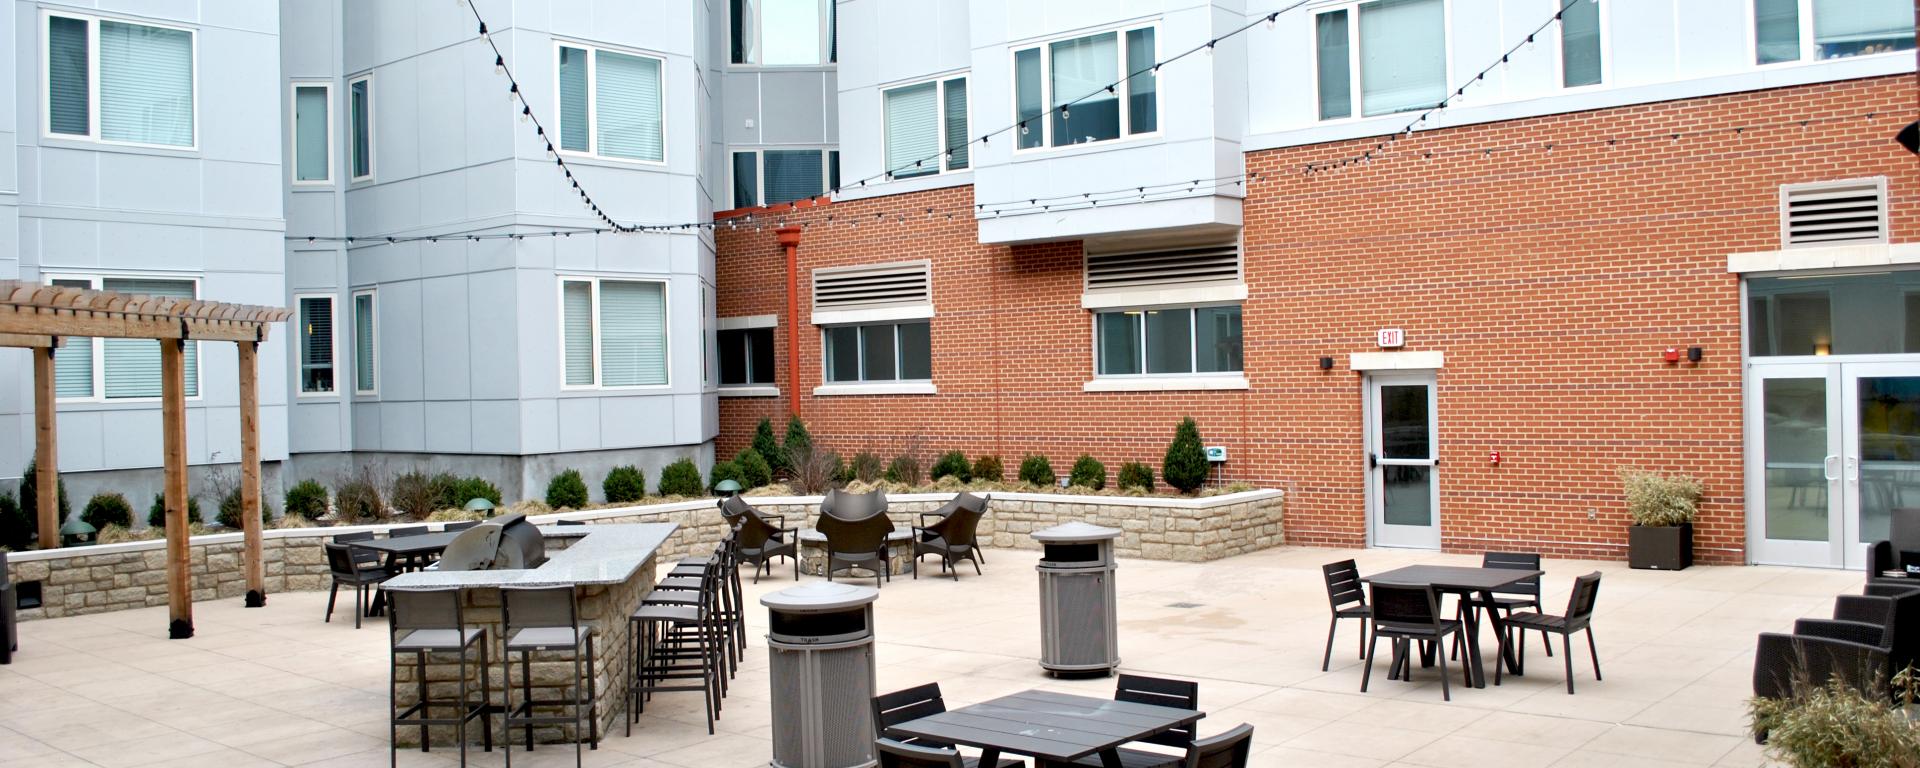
column 1662, row 506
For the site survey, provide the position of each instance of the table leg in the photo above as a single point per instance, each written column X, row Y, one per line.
column 1500, row 631
column 1110, row 758
column 1470, row 625
column 989, row 757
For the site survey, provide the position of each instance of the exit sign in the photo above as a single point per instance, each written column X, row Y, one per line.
column 1392, row 338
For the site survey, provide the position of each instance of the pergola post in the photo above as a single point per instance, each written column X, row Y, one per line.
column 173, row 427
column 250, row 472
column 46, row 459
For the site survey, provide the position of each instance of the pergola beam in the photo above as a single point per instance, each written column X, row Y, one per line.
column 59, row 322
column 31, row 341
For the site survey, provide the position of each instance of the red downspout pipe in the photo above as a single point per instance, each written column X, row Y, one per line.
column 790, row 241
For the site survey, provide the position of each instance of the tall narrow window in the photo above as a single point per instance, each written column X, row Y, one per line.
column 627, row 92
column 912, row 133
column 144, row 90
column 741, row 15
column 953, row 107
column 576, row 328
column 746, row 179
column 1580, row 45
column 69, row 111
column 1083, row 110
column 1029, row 99
column 73, row 363
column 833, row 170
column 133, row 365
column 1335, row 78
column 316, row 345
column 312, row 134
column 1776, row 30
column 360, row 111
column 746, row 357
column 365, row 334
column 633, row 337
column 574, row 109
column 1143, row 108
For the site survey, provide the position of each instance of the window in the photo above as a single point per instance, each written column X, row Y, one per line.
column 120, row 82
column 316, row 344
column 878, row 352
column 1395, row 56
column 366, row 331
column 312, row 133
column 926, row 127
column 746, row 357
column 1580, row 44
column 1168, row 340
column 611, row 104
column 360, row 105
column 613, row 332
column 118, row 369
column 1794, row 30
column 789, row 175
column 783, row 33
column 1871, row 313
column 1066, row 82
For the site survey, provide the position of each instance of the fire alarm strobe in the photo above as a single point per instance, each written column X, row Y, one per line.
column 1672, row 355
column 1493, row 457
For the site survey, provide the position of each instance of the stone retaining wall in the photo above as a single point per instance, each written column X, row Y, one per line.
column 112, row 577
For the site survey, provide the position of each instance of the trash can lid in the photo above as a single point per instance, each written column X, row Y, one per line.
column 819, row 596
column 1076, row 531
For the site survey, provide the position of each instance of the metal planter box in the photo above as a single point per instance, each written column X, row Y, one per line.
column 1660, row 548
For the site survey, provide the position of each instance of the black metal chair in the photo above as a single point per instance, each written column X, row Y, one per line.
column 687, row 590
column 959, row 500
column 348, row 569
column 760, row 540
column 1159, row 692
column 547, row 620
column 1406, row 614
column 1348, row 601
column 1522, row 594
column 953, row 539
column 459, row 525
column 895, row 754
column 405, row 563
column 571, row 522
column 891, row 709
column 668, row 642
column 1227, row 750
column 426, row 622
column 856, row 528
column 1579, row 616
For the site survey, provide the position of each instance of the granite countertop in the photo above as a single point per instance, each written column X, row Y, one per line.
column 604, row 554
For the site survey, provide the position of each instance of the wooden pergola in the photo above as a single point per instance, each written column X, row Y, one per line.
column 39, row 317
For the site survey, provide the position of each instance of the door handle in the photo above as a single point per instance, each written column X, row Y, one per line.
column 1373, row 460
column 1853, row 469
column 1829, row 469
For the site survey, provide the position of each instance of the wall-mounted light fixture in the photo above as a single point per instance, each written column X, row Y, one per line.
column 1693, row 354
column 1326, row 363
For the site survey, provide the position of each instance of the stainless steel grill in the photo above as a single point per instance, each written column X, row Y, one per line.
column 503, row 543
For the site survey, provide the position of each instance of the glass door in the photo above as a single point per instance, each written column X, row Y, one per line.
column 1793, row 472
column 1403, row 493
column 1881, row 462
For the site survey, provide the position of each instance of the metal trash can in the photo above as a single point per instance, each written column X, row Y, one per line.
column 9, row 622
column 820, row 667
column 1077, row 623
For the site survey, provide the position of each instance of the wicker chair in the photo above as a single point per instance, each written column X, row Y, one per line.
column 952, row 538
column 959, row 500
column 856, row 541
column 760, row 540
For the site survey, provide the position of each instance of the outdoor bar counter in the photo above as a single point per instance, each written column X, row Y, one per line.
column 610, row 568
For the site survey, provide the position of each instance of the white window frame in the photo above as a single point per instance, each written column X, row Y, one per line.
column 760, row 171
column 827, row 12
column 749, row 323
column 940, row 119
column 1046, row 90
column 299, row 336
column 94, row 282
column 373, row 302
column 861, row 350
column 293, row 132
column 93, row 79
column 1605, row 34
column 1806, row 40
column 1357, row 105
column 372, row 129
column 593, row 102
column 1193, row 346
column 599, row 378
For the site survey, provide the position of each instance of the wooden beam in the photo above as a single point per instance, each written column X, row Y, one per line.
column 68, row 322
column 250, row 473
column 31, row 341
column 173, row 425
column 46, row 458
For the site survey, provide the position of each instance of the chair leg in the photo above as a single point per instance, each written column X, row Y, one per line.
column 973, row 556
column 1446, row 694
column 460, row 728
column 1593, row 653
column 1363, row 638
column 1547, row 642
column 359, row 604
column 526, row 685
column 1333, row 624
column 1366, row 675
column 420, row 674
column 506, row 692
column 331, row 595
column 1566, row 648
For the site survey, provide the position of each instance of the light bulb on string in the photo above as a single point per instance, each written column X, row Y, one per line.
column 499, row 64
column 1271, row 17
column 513, row 93
column 525, row 113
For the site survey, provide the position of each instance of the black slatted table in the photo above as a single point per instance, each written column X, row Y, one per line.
column 410, row 553
column 1043, row 724
column 1467, row 582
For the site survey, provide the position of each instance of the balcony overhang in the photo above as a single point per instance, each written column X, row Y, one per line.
column 1183, row 218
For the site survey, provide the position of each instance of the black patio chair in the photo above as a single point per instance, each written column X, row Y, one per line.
column 408, row 562
column 1159, row 692
column 1892, row 561
column 859, row 541
column 1857, row 649
column 1348, row 601
column 959, row 500
column 459, row 525
column 1523, row 594
column 1406, row 614
column 1227, row 750
column 732, row 507
column 1579, row 617
column 891, row 709
column 896, row 754
column 953, row 539
column 350, row 570
column 760, row 540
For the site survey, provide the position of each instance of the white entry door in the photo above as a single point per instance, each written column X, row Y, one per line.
column 1403, row 489
column 1880, row 458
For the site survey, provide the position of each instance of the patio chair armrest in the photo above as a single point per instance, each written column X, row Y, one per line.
column 1869, row 609
column 1781, row 662
column 1835, row 629
column 1892, row 587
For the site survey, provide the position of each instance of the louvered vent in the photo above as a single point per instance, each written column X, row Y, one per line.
column 880, row 285
column 1853, row 211
column 1177, row 268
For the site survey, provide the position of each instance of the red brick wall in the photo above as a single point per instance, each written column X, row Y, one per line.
column 1552, row 280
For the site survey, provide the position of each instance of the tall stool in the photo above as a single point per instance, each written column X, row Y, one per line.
column 546, row 620
column 428, row 621
column 671, row 640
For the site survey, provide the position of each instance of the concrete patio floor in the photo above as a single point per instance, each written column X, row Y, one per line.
column 275, row 686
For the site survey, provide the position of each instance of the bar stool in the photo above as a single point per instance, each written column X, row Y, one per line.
column 675, row 639
column 728, row 616
column 547, row 620
column 423, row 622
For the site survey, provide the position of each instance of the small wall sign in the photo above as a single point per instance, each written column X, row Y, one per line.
column 1391, row 338
column 1217, row 454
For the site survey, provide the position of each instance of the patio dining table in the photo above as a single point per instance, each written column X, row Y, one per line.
column 404, row 550
column 1469, row 583
column 1051, row 726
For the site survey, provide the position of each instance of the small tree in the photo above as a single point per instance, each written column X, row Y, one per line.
column 16, row 533
column 754, row 469
column 1088, row 472
column 228, row 514
column 30, row 499
column 106, row 509
column 467, row 489
column 904, row 469
column 624, row 484
column 157, row 514
column 567, row 491
column 413, row 493
column 307, row 498
column 681, row 478
column 1660, row 499
column 1185, row 466
column 724, row 470
column 1036, row 470
column 952, row 464
column 987, row 469
column 358, row 498
column 1134, row 475
column 769, row 448
column 798, row 441
column 816, row 469
column 866, row 467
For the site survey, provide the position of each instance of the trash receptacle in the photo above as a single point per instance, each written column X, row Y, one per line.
column 820, row 667
column 1077, row 622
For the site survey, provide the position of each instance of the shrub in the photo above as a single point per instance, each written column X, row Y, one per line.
column 157, row 514
column 681, row 478
column 987, row 469
column 816, row 469
column 1836, row 725
column 16, row 532
column 1134, row 474
column 228, row 514
column 1088, row 472
column 865, row 467
column 465, row 489
column 30, row 500
column 798, row 441
column 769, row 448
column 307, row 499
column 624, row 484
column 567, row 491
column 725, row 469
column 754, row 469
column 905, row 468
column 1185, row 466
column 1660, row 499
column 358, row 499
column 416, row 494
column 952, row 464
column 1036, row 470
column 106, row 509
